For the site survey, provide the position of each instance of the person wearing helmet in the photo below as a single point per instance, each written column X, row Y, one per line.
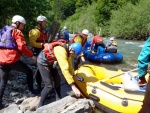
column 63, row 54
column 37, row 38
column 81, row 38
column 111, row 46
column 66, row 34
column 10, row 56
column 98, row 41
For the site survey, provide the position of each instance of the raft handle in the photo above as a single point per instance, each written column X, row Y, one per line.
column 93, row 97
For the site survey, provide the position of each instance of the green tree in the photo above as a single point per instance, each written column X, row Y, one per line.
column 131, row 21
column 29, row 9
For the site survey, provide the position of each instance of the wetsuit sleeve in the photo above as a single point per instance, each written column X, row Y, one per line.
column 21, row 43
column 144, row 59
column 65, row 63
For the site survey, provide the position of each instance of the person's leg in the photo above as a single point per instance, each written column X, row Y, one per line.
column 4, row 76
column 146, row 102
column 22, row 67
column 96, row 46
column 45, row 74
column 38, row 79
column 57, row 80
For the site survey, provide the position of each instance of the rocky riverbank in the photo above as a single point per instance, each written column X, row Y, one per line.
column 17, row 98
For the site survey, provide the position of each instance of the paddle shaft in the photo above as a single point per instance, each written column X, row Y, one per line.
column 104, row 80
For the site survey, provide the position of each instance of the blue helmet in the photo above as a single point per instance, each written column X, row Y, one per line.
column 77, row 47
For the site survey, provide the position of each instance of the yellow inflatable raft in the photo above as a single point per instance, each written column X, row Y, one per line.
column 109, row 95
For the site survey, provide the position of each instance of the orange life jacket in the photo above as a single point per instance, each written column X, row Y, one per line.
column 49, row 49
column 43, row 37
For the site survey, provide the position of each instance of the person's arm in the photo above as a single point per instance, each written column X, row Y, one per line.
column 65, row 64
column 143, row 61
column 63, row 61
column 21, row 43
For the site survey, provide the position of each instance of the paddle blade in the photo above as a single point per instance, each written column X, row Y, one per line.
column 53, row 30
column 129, row 82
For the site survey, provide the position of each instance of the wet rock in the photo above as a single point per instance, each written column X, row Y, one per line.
column 68, row 105
column 29, row 103
column 13, row 108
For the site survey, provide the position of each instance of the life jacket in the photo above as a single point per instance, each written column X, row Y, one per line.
column 43, row 37
column 114, row 43
column 98, row 39
column 49, row 49
column 6, row 39
column 83, row 42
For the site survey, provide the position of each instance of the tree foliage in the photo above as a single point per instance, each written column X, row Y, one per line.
column 121, row 18
column 104, row 8
column 29, row 9
column 131, row 21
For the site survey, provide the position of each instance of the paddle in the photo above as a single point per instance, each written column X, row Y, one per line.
column 128, row 81
column 53, row 30
column 104, row 80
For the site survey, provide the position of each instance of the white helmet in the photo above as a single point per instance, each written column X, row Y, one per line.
column 85, row 32
column 65, row 27
column 18, row 18
column 112, row 38
column 41, row 18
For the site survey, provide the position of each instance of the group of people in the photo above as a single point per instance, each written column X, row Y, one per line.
column 111, row 45
column 13, row 45
column 45, row 55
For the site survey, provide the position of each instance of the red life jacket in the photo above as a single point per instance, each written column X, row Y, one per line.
column 72, row 40
column 49, row 49
column 97, row 39
column 43, row 37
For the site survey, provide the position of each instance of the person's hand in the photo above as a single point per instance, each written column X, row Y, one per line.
column 44, row 44
column 76, row 90
column 142, row 81
column 82, row 58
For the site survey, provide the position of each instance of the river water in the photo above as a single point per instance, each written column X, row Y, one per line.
column 130, row 50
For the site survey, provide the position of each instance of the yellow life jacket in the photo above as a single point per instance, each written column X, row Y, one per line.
column 114, row 43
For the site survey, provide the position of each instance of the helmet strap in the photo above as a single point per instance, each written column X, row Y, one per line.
column 40, row 26
column 17, row 24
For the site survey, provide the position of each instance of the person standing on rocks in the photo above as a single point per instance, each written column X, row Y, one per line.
column 63, row 54
column 12, row 46
column 37, row 39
